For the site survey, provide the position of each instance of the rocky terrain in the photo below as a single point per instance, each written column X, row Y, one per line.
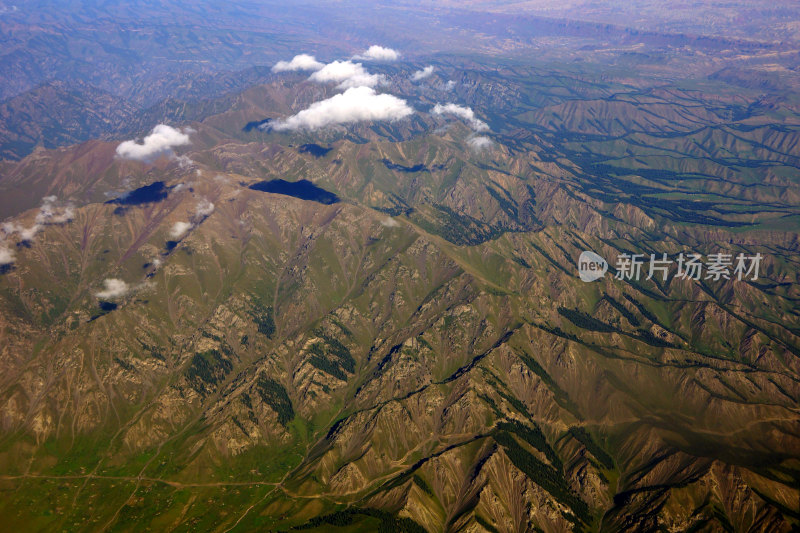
column 380, row 326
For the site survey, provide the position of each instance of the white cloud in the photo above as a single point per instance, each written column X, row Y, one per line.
column 422, row 74
column 179, row 229
column 354, row 105
column 346, row 74
column 65, row 216
column 462, row 112
column 203, row 209
column 389, row 222
column 450, row 85
column 7, row 255
column 160, row 142
column 184, row 161
column 114, row 288
column 298, row 62
column 9, row 227
column 480, row 142
column 379, row 53
column 27, row 234
column 48, row 214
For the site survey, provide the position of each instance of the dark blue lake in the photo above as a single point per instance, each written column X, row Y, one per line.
column 303, row 189
column 155, row 192
column 314, row 149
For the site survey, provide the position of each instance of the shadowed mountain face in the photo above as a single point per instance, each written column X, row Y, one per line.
column 381, row 327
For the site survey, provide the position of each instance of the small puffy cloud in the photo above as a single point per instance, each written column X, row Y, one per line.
column 389, row 222
column 7, row 255
column 179, row 229
column 27, row 234
column 462, row 112
column 346, row 74
column 298, row 62
column 422, row 74
column 160, row 142
column 65, row 216
column 184, row 161
column 49, row 214
column 480, row 142
column 114, row 288
column 379, row 53
column 450, row 85
column 8, row 228
column 354, row 105
column 203, row 209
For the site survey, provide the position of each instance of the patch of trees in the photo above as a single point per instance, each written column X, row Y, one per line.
column 584, row 321
column 332, row 357
column 642, row 309
column 207, row 368
column 623, row 310
column 458, row 228
column 543, row 475
column 422, row 484
column 583, row 436
column 388, row 522
column 534, row 437
column 275, row 395
column 263, row 316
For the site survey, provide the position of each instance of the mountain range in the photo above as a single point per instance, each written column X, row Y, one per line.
column 380, row 325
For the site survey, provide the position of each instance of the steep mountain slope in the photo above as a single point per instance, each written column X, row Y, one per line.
column 419, row 355
column 149, row 55
column 55, row 114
